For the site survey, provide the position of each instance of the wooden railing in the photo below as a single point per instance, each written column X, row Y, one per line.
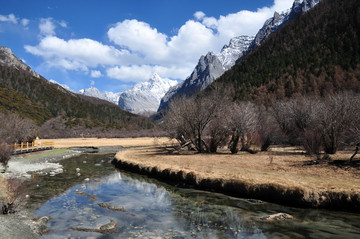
column 28, row 147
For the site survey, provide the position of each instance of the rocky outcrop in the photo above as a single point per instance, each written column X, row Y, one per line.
column 7, row 57
column 279, row 20
column 209, row 68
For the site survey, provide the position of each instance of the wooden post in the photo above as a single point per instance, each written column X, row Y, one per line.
column 22, row 145
column 15, row 147
column 27, row 146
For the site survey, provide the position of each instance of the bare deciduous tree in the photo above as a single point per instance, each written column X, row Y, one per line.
column 195, row 120
column 268, row 128
column 14, row 128
column 339, row 114
column 243, row 124
column 298, row 118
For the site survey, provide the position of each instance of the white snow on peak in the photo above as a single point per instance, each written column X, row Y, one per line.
column 66, row 87
column 144, row 98
column 95, row 92
column 231, row 52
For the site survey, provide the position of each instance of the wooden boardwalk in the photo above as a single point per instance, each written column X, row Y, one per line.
column 30, row 147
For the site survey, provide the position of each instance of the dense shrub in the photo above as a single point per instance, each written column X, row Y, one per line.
column 4, row 153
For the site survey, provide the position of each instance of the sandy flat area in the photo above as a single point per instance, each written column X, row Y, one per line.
column 99, row 142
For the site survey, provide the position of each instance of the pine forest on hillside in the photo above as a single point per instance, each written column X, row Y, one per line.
column 318, row 53
column 300, row 87
column 40, row 101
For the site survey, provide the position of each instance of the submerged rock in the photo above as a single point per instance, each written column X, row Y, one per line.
column 82, row 193
column 104, row 229
column 277, row 217
column 113, row 208
column 39, row 225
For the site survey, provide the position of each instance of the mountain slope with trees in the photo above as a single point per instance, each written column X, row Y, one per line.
column 318, row 53
column 300, row 87
column 36, row 98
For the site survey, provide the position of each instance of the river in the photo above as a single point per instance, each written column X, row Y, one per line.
column 142, row 207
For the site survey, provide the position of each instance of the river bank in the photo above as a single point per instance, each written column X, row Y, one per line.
column 22, row 223
column 282, row 175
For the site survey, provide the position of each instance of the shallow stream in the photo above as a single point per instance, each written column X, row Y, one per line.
column 153, row 209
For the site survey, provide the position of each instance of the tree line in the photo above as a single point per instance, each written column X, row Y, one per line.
column 318, row 124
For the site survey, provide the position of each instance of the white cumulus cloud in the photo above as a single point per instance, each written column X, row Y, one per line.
column 139, row 38
column 95, row 74
column 25, row 22
column 138, row 49
column 76, row 54
column 47, row 27
column 9, row 18
column 199, row 15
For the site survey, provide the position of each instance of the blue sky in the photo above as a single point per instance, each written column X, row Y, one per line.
column 113, row 45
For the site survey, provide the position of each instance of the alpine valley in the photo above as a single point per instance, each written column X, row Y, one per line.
column 146, row 98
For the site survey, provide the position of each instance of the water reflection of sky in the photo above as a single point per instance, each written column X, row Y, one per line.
column 151, row 212
column 156, row 210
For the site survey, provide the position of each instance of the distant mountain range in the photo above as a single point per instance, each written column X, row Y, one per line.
column 143, row 99
column 212, row 66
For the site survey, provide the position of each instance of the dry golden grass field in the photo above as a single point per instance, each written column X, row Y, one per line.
column 285, row 167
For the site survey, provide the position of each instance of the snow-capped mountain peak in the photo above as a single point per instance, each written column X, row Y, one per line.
column 145, row 97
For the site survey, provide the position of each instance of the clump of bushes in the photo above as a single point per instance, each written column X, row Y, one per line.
column 17, row 192
column 4, row 153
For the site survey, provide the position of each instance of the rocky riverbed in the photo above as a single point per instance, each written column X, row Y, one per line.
column 22, row 168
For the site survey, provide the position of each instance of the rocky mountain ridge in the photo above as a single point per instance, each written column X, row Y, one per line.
column 211, row 66
column 7, row 57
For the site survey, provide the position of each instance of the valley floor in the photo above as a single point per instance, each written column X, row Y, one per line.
column 282, row 175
